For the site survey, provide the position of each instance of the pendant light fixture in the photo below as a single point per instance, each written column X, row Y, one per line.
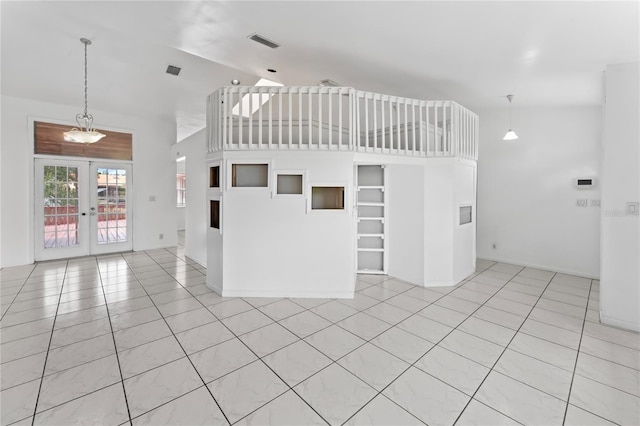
column 511, row 135
column 85, row 133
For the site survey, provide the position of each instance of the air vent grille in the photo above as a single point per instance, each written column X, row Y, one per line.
column 263, row 40
column 173, row 70
column 328, row 83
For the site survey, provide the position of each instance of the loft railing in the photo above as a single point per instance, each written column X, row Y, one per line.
column 339, row 119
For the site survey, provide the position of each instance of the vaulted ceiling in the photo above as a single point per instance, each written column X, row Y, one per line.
column 547, row 53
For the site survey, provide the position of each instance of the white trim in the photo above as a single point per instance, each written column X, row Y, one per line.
column 544, row 268
column 213, row 286
column 279, row 293
column 619, row 323
column 274, row 179
column 346, row 204
column 240, row 161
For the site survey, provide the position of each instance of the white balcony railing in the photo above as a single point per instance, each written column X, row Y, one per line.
column 338, row 118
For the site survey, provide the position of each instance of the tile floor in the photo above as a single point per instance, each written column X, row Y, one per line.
column 138, row 338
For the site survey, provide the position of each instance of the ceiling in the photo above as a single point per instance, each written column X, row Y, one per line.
column 546, row 53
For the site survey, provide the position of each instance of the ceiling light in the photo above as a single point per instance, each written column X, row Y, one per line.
column 86, row 133
column 511, row 135
column 235, row 82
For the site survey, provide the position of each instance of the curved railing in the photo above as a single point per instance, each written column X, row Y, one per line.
column 338, row 118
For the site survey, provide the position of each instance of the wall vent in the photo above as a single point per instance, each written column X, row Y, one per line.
column 263, row 40
column 173, row 70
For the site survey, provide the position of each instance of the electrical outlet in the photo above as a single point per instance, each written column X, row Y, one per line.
column 582, row 202
column 161, row 236
column 595, row 203
column 633, row 208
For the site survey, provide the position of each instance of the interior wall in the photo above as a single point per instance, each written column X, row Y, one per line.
column 404, row 198
column 271, row 241
column 527, row 197
column 153, row 175
column 194, row 148
column 180, row 211
column 464, row 236
column 620, row 282
column 439, row 216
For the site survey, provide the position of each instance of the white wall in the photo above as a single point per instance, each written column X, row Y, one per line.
column 194, row 149
column 464, row 236
column 439, row 218
column 153, row 175
column 180, row 211
column 620, row 255
column 526, row 191
column 404, row 198
column 274, row 247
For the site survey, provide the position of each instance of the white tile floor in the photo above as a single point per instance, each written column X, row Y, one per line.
column 138, row 338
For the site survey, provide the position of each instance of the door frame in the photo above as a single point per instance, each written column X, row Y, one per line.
column 92, row 248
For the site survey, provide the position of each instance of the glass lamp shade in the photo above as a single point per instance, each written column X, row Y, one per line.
column 83, row 136
column 510, row 136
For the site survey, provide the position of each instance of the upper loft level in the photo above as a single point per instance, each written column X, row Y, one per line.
column 338, row 119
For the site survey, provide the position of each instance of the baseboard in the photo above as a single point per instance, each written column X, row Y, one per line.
column 287, row 293
column 619, row 323
column 544, row 268
column 214, row 287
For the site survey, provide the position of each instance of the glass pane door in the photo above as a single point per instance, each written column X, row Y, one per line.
column 82, row 208
column 110, row 210
column 61, row 229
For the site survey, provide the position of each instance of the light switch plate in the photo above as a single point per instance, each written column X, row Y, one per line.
column 582, row 202
column 595, row 203
column 633, row 208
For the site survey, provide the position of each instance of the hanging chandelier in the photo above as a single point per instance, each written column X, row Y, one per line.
column 511, row 135
column 85, row 133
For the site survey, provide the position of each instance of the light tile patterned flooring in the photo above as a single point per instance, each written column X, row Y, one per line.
column 138, row 338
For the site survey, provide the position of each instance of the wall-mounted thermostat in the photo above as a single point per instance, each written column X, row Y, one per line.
column 585, row 183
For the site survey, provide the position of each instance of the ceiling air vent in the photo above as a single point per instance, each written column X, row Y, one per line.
column 263, row 40
column 328, row 83
column 173, row 70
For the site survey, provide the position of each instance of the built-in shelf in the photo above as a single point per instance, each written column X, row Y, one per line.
column 214, row 211
column 214, row 177
column 250, row 175
column 327, row 197
column 289, row 184
column 370, row 187
column 373, row 204
column 371, row 211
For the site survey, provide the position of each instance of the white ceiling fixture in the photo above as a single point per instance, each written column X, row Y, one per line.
column 86, row 133
column 511, row 135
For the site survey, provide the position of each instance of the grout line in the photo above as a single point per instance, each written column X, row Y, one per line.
column 115, row 348
column 44, row 367
column 575, row 364
column 500, row 356
column 183, row 349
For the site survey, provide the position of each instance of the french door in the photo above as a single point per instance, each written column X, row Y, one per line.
column 82, row 208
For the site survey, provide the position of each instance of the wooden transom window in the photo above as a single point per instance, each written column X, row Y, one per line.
column 49, row 140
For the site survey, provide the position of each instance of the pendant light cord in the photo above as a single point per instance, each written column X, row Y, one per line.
column 85, row 79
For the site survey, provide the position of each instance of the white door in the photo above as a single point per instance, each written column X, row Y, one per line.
column 110, row 213
column 81, row 208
